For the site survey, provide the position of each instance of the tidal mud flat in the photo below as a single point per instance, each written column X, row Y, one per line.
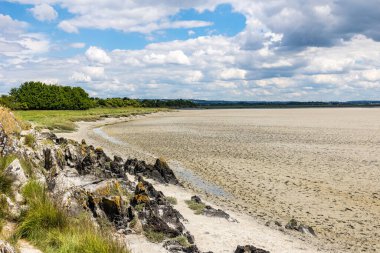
column 319, row 166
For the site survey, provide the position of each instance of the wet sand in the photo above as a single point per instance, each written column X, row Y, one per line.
column 319, row 166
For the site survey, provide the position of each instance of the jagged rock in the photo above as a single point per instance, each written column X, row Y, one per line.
column 249, row 249
column 163, row 168
column 112, row 207
column 293, row 224
column 48, row 161
column 156, row 224
column 159, row 172
column 6, row 247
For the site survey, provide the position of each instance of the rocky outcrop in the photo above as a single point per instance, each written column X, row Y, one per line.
column 160, row 171
column 249, row 249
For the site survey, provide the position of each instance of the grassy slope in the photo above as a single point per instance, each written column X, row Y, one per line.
column 64, row 120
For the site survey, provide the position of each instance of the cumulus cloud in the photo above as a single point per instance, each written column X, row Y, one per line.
column 322, row 50
column 44, row 12
column 97, row 55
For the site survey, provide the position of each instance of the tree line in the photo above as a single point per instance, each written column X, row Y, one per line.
column 40, row 96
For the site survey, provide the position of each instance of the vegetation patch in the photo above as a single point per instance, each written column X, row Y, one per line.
column 52, row 230
column 183, row 241
column 198, row 208
column 64, row 120
column 30, row 140
column 172, row 200
column 9, row 122
column 154, row 236
column 3, row 210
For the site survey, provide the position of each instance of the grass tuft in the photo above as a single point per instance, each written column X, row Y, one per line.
column 172, row 200
column 30, row 140
column 198, row 208
column 52, row 230
column 182, row 240
column 153, row 236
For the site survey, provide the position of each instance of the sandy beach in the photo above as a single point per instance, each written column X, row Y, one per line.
column 319, row 166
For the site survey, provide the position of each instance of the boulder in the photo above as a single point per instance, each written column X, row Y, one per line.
column 249, row 249
column 293, row 224
column 16, row 173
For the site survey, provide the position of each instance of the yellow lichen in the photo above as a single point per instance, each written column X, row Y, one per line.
column 141, row 198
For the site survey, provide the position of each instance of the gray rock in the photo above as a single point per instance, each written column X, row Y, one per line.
column 249, row 249
column 293, row 224
column 6, row 247
column 16, row 172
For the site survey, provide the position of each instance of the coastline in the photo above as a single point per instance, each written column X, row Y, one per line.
column 215, row 234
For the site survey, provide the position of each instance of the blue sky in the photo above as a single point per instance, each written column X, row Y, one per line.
column 209, row 49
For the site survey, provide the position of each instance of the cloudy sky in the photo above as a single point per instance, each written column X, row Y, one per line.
column 204, row 49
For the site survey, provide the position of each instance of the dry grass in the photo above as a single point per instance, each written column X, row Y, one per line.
column 9, row 122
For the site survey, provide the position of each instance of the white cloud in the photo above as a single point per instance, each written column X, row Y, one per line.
column 371, row 75
column 78, row 45
column 97, row 55
column 94, row 72
column 68, row 27
column 177, row 57
column 80, row 77
column 9, row 26
column 287, row 50
column 232, row 74
column 44, row 12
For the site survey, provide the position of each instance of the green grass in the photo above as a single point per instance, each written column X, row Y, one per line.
column 5, row 181
column 182, row 240
column 63, row 120
column 30, row 140
column 153, row 236
column 52, row 230
column 3, row 211
column 172, row 200
column 5, row 161
column 198, row 208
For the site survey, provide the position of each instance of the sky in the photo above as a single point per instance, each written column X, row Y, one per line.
column 257, row 50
